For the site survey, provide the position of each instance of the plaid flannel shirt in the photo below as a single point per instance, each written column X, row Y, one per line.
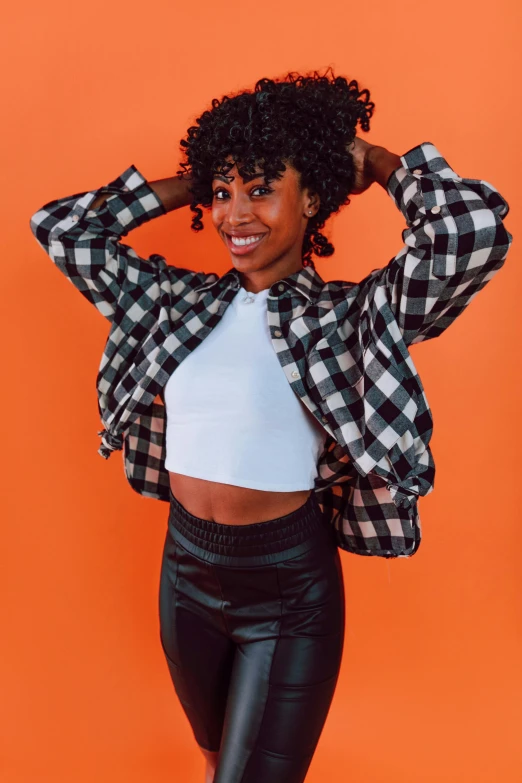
column 343, row 346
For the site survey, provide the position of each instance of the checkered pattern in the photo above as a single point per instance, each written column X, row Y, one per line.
column 342, row 346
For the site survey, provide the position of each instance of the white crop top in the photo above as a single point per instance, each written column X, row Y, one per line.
column 231, row 414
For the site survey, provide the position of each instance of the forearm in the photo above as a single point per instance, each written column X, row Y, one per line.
column 172, row 192
column 382, row 163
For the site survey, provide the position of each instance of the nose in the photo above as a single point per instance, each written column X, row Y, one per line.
column 238, row 210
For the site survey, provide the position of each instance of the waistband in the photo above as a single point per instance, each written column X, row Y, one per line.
column 258, row 543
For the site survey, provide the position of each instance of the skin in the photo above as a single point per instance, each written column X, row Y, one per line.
column 363, row 157
column 280, row 210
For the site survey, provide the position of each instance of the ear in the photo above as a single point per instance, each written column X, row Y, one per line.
column 312, row 202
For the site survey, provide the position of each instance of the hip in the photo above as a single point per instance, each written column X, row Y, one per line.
column 254, row 581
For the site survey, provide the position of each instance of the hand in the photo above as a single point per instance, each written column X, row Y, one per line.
column 364, row 176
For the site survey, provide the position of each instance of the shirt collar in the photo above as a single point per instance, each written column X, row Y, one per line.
column 306, row 281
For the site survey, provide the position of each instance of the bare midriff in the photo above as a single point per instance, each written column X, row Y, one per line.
column 232, row 505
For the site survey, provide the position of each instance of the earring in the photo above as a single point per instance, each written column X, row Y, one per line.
column 309, row 211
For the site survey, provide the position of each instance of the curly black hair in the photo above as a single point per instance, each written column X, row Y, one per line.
column 306, row 120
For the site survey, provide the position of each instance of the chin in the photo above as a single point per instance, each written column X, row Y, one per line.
column 254, row 263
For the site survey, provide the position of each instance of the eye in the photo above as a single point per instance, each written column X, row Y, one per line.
column 222, row 190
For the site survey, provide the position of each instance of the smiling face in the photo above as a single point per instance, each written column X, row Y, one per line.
column 262, row 225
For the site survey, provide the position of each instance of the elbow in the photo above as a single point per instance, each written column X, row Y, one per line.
column 39, row 230
column 490, row 226
column 42, row 225
column 508, row 239
column 34, row 223
column 501, row 242
column 488, row 242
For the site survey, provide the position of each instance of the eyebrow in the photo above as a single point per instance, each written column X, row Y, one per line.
column 247, row 179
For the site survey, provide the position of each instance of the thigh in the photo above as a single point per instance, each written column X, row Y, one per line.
column 282, row 687
column 198, row 652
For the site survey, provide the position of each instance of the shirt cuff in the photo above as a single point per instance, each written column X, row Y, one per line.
column 404, row 186
column 417, row 185
column 131, row 203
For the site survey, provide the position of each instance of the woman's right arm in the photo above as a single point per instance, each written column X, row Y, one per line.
column 82, row 235
column 172, row 192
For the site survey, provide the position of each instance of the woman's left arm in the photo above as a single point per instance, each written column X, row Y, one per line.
column 455, row 240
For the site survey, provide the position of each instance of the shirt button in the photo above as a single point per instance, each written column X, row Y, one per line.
column 281, row 287
column 277, row 333
column 435, row 209
column 417, row 171
column 295, row 374
column 75, row 218
column 323, row 418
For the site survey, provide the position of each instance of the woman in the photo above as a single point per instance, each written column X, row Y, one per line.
column 252, row 606
column 254, row 649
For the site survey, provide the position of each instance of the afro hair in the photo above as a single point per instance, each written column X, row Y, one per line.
column 307, row 121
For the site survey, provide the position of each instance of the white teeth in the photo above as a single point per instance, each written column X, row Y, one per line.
column 245, row 240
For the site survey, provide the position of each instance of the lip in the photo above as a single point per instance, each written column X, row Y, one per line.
column 241, row 250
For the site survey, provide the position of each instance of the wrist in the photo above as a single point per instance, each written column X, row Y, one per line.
column 173, row 192
column 382, row 163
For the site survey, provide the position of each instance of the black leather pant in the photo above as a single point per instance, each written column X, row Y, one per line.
column 252, row 621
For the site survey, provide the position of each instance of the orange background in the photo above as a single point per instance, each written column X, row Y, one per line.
column 430, row 687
